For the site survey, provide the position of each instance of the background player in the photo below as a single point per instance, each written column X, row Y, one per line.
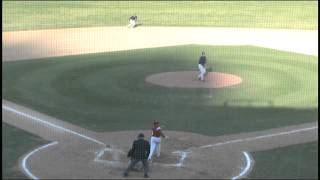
column 132, row 21
column 202, row 66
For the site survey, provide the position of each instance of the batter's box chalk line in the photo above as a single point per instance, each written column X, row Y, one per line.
column 182, row 156
column 99, row 154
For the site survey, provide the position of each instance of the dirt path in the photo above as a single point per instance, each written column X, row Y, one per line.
column 60, row 42
column 78, row 153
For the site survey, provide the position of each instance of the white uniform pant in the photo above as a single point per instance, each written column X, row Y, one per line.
column 132, row 23
column 154, row 146
column 202, row 72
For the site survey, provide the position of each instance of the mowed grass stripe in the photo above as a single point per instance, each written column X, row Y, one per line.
column 31, row 15
column 291, row 162
column 108, row 92
column 15, row 143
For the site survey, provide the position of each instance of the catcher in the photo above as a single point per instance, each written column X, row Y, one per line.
column 138, row 152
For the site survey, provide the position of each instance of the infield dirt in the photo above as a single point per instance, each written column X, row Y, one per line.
column 62, row 42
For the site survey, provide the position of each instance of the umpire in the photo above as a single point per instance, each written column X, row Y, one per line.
column 139, row 152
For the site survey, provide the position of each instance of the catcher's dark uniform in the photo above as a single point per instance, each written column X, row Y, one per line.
column 140, row 149
column 139, row 152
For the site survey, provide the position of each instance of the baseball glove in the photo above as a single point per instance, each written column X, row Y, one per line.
column 130, row 153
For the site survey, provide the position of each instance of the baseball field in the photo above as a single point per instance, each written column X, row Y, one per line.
column 78, row 86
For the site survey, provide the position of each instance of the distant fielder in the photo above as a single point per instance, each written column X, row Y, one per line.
column 202, row 66
column 132, row 21
column 155, row 140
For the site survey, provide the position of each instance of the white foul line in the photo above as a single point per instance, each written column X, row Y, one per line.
column 24, row 166
column 51, row 124
column 24, row 160
column 246, row 169
column 260, row 137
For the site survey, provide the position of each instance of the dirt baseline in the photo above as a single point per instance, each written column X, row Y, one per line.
column 189, row 79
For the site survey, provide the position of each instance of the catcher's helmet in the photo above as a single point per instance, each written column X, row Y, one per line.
column 141, row 135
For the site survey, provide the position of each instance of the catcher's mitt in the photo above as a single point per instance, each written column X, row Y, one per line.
column 130, row 153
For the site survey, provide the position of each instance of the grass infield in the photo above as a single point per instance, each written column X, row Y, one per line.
column 108, row 92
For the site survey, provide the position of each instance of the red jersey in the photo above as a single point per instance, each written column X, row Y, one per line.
column 156, row 132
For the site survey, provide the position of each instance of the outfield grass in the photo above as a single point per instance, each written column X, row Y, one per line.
column 108, row 92
column 30, row 15
column 15, row 143
column 292, row 162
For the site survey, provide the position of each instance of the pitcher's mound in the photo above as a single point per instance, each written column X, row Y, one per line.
column 189, row 79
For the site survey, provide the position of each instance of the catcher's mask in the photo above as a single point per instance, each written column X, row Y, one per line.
column 141, row 135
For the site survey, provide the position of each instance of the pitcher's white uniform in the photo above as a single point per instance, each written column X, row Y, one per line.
column 201, row 66
column 202, row 72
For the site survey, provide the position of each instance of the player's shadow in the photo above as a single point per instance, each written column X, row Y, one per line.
column 138, row 24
